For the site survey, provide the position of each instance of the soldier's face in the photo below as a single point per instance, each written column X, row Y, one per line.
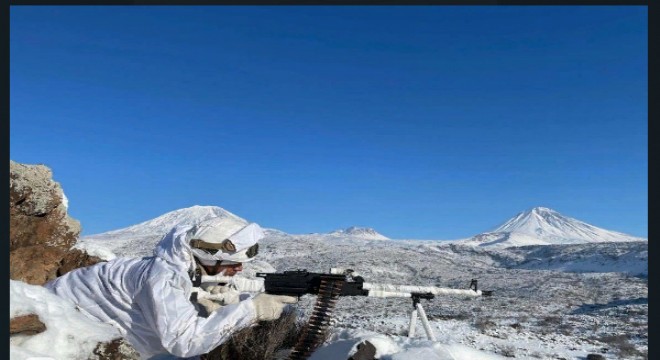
column 229, row 269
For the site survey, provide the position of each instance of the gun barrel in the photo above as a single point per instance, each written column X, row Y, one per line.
column 389, row 288
column 384, row 293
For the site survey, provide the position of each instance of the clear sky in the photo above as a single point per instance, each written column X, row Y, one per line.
column 423, row 122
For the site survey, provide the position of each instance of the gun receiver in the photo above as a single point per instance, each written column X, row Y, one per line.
column 301, row 282
column 416, row 297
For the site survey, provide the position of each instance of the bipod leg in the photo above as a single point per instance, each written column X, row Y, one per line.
column 413, row 322
column 418, row 309
column 425, row 322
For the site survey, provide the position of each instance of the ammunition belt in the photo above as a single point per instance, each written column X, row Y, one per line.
column 314, row 332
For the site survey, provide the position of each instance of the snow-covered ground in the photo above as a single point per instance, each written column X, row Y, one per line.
column 69, row 334
column 560, row 301
column 343, row 343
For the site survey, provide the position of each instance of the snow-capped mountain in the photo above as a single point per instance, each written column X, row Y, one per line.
column 140, row 239
column 543, row 226
column 165, row 222
column 360, row 232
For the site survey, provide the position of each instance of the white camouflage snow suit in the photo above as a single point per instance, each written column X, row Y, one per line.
column 148, row 300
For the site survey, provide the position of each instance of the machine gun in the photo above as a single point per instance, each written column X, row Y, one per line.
column 345, row 282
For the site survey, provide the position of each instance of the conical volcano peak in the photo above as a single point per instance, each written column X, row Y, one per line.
column 534, row 217
column 542, row 210
column 543, row 225
column 362, row 232
column 357, row 229
column 540, row 220
column 537, row 212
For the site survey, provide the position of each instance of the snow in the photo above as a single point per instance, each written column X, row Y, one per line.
column 95, row 249
column 626, row 257
column 344, row 344
column 69, row 334
column 65, row 200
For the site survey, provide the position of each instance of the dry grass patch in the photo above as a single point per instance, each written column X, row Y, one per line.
column 622, row 345
column 260, row 342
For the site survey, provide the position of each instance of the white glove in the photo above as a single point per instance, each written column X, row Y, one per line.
column 269, row 307
column 223, row 294
column 216, row 289
column 205, row 307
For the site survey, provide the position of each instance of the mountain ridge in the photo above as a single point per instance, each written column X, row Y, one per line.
column 536, row 226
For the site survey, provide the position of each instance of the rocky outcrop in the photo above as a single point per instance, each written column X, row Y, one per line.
column 38, row 209
column 74, row 259
column 26, row 325
column 41, row 233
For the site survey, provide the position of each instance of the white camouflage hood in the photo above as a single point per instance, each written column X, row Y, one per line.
column 175, row 248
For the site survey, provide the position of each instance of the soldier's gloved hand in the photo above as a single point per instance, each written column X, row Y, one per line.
column 206, row 307
column 216, row 289
column 269, row 307
column 224, row 294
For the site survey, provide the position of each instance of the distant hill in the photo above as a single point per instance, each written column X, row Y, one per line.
column 164, row 223
column 140, row 239
column 543, row 226
column 359, row 232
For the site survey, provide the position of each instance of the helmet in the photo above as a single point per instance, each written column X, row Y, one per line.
column 225, row 239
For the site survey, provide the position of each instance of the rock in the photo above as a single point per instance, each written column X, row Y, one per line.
column 118, row 349
column 75, row 259
column 37, row 209
column 41, row 233
column 364, row 351
column 595, row 357
column 36, row 264
column 26, row 325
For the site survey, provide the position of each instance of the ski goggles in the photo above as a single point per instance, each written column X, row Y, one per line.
column 239, row 247
column 225, row 246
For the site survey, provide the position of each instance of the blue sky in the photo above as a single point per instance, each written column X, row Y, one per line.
column 424, row 122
